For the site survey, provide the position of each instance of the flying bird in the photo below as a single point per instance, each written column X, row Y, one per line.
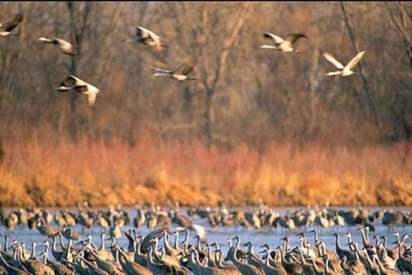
column 147, row 37
column 343, row 70
column 64, row 46
column 280, row 44
column 6, row 29
column 72, row 83
column 181, row 73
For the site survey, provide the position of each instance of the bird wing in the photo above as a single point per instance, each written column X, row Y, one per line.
column 355, row 60
column 68, row 82
column 158, row 70
column 276, row 38
column 157, row 233
column 201, row 231
column 141, row 32
column 152, row 35
column 60, row 41
column 292, row 38
column 187, row 67
column 9, row 26
column 333, row 60
column 145, row 33
column 149, row 38
column 80, row 88
column 77, row 81
column 92, row 99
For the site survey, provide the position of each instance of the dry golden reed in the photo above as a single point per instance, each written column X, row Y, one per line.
column 64, row 173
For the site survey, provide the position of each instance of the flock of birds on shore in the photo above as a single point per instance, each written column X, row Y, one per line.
column 150, row 39
column 162, row 250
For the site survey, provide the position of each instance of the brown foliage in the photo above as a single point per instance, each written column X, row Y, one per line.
column 112, row 172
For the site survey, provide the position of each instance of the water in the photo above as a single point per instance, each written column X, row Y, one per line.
column 271, row 236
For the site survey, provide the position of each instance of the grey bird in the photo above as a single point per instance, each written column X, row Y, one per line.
column 280, row 44
column 73, row 83
column 181, row 73
column 343, row 70
column 64, row 46
column 147, row 37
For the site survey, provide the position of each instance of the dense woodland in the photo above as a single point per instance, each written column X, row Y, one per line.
column 257, row 123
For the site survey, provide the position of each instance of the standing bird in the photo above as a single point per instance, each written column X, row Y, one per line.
column 343, row 70
column 283, row 45
column 5, row 30
column 147, row 37
column 64, row 46
column 46, row 229
column 79, row 86
column 180, row 73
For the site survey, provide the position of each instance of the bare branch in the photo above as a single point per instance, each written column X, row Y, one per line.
column 355, row 45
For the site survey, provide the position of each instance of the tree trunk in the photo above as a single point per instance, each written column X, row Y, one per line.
column 362, row 72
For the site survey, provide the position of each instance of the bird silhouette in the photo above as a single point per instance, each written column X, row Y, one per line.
column 343, row 70
column 280, row 44
column 147, row 37
column 180, row 73
column 73, row 83
column 64, row 46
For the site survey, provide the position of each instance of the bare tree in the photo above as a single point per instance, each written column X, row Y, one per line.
column 356, row 48
column 214, row 29
column 399, row 16
column 78, row 16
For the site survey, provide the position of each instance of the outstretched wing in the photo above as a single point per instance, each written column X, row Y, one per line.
column 68, row 83
column 355, row 60
column 141, row 32
column 162, row 71
column 77, row 81
column 276, row 38
column 91, row 98
column 185, row 70
column 148, row 37
column 157, row 233
column 333, row 60
column 80, row 88
column 293, row 37
column 9, row 26
column 146, row 33
column 187, row 67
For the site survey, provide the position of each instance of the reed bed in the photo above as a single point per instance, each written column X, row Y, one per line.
column 62, row 173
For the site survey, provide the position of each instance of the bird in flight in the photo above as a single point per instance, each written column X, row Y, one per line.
column 180, row 73
column 280, row 44
column 72, row 83
column 343, row 70
column 147, row 37
column 6, row 28
column 64, row 46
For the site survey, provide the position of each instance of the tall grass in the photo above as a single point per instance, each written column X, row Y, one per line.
column 62, row 173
